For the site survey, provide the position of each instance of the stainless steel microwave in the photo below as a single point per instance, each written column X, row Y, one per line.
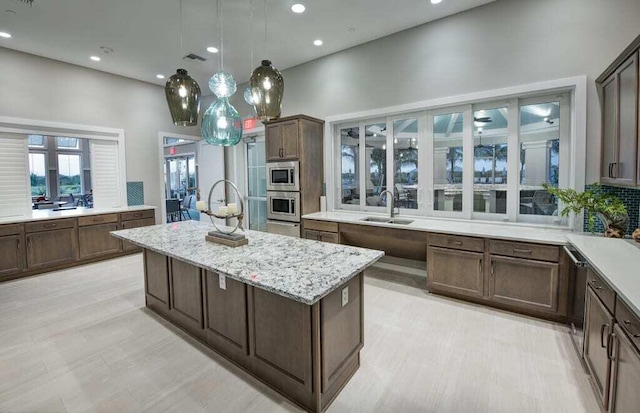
column 283, row 176
column 283, row 206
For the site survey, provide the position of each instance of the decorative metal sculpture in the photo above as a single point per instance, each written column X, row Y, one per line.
column 239, row 215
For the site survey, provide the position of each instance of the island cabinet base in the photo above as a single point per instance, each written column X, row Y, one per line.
column 305, row 352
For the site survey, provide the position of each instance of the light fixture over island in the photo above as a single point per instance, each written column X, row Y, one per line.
column 287, row 310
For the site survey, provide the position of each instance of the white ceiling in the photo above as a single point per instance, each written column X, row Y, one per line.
column 145, row 34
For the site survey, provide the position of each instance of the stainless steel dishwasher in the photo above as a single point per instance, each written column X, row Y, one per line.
column 577, row 292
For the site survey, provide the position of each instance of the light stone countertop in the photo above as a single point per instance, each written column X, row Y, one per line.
column 300, row 269
column 498, row 230
column 44, row 214
column 617, row 260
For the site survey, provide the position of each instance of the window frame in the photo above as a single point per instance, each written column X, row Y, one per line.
column 338, row 167
column 44, row 153
column 77, row 153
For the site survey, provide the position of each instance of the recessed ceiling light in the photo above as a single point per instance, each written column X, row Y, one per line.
column 212, row 49
column 436, row 1
column 298, row 8
column 5, row 35
column 317, row 42
column 95, row 58
column 160, row 76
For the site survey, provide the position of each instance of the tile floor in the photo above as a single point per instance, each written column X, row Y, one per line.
column 80, row 340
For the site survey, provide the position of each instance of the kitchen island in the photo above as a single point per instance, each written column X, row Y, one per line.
column 287, row 310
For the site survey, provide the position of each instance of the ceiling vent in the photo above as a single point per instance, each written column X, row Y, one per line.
column 193, row 56
column 29, row 2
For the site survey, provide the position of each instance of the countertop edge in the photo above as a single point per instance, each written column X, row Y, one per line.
column 440, row 231
column 304, row 300
column 74, row 213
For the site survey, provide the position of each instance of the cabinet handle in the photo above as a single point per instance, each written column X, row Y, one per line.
column 521, row 251
column 138, row 215
column 610, row 169
column 18, row 244
column 455, row 243
column 627, row 325
column 602, row 343
column 98, row 219
column 29, row 243
column 595, row 285
column 610, row 354
column 614, row 170
column 52, row 225
column 480, row 265
column 491, row 268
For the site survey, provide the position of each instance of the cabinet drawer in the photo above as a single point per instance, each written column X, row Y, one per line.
column 128, row 216
column 13, row 229
column 629, row 322
column 49, row 225
column 97, row 219
column 522, row 250
column 321, row 225
column 602, row 290
column 457, row 242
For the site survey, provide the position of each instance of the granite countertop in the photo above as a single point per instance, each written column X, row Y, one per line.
column 300, row 269
column 497, row 230
column 617, row 260
column 44, row 214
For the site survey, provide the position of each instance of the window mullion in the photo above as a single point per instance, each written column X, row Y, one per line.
column 428, row 166
column 390, row 167
column 467, row 163
column 362, row 168
column 513, row 161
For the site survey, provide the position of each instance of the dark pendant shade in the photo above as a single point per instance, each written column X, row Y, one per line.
column 183, row 98
column 267, row 89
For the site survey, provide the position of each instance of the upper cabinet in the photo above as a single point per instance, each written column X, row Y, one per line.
column 618, row 90
column 285, row 137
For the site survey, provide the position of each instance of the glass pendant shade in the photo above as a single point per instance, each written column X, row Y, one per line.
column 183, row 98
column 222, row 84
column 267, row 89
column 221, row 124
column 248, row 97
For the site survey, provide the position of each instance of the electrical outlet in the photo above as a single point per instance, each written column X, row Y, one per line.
column 223, row 282
column 345, row 296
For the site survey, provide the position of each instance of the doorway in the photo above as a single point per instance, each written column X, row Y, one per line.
column 180, row 176
column 256, row 183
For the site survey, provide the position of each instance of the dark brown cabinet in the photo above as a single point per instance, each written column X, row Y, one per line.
column 135, row 223
column 524, row 283
column 282, row 140
column 625, row 374
column 51, row 248
column 323, row 236
column 618, row 89
column 11, row 254
column 156, row 281
column 96, row 240
column 455, row 271
column 185, row 284
column 597, row 330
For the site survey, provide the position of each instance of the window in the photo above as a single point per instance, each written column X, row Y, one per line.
column 447, row 162
column 350, row 178
column 405, row 162
column 69, row 167
column 257, row 185
column 539, row 157
column 36, row 141
column 38, row 174
column 68, row 143
column 484, row 161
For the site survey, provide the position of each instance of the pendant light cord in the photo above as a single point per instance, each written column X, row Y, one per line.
column 181, row 40
column 266, row 43
column 251, row 30
column 221, row 28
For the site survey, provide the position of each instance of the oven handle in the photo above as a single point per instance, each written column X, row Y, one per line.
column 576, row 262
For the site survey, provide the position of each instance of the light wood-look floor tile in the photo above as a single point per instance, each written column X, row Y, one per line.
column 81, row 340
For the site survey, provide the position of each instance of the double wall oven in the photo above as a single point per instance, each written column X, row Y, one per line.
column 283, row 198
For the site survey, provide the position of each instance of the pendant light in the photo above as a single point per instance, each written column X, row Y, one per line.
column 221, row 123
column 267, row 85
column 183, row 93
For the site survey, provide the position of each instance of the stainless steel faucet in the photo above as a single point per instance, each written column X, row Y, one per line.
column 393, row 201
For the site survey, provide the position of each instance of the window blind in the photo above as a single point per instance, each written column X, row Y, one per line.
column 15, row 186
column 105, row 174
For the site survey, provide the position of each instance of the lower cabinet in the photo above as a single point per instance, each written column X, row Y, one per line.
column 11, row 254
column 50, row 248
column 455, row 271
column 625, row 376
column 323, row 236
column 597, row 330
column 135, row 223
column 524, row 283
column 185, row 298
column 156, row 281
column 96, row 240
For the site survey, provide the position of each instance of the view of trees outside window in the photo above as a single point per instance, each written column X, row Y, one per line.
column 376, row 159
column 447, row 162
column 405, row 162
column 350, row 179
column 490, row 136
column 38, row 174
column 69, row 167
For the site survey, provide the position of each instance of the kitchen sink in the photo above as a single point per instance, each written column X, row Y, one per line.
column 397, row 221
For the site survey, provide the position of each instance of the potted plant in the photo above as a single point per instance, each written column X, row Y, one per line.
column 596, row 203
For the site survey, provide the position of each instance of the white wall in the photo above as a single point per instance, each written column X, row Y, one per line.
column 505, row 43
column 37, row 88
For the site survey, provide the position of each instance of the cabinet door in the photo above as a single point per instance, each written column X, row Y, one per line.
column 273, row 142
column 11, row 254
column 609, row 96
column 310, row 234
column 136, row 223
column 598, row 327
column 156, row 281
column 186, row 307
column 95, row 240
column 458, row 272
column 524, row 283
column 330, row 237
column 626, row 163
column 50, row 248
column 290, row 140
column 625, row 375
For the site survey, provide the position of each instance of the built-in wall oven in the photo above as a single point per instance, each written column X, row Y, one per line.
column 283, row 176
column 283, row 206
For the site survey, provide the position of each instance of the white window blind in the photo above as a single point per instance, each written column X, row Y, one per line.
column 105, row 174
column 15, row 186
